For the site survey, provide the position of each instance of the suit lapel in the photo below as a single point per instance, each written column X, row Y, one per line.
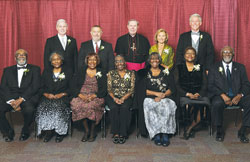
column 58, row 43
column 101, row 45
column 15, row 75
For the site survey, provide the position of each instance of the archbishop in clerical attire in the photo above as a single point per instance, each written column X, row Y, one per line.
column 133, row 47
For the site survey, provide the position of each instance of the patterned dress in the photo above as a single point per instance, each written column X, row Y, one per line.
column 92, row 110
column 159, row 116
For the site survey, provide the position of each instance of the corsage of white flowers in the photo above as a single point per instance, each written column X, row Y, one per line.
column 221, row 70
column 166, row 71
column 61, row 76
column 126, row 76
column 101, row 48
column 201, row 37
column 69, row 41
column 98, row 74
column 197, row 67
column 167, row 51
column 26, row 71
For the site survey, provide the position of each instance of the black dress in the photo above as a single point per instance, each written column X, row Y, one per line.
column 54, row 113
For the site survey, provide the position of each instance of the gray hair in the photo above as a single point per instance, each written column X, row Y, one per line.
column 231, row 49
column 137, row 22
column 195, row 15
column 56, row 53
column 61, row 21
column 155, row 54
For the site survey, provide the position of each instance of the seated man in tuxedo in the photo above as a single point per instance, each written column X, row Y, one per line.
column 228, row 85
column 20, row 84
column 97, row 45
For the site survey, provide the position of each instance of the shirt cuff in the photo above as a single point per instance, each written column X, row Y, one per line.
column 8, row 102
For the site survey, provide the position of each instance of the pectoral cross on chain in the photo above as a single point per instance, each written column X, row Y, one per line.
column 133, row 48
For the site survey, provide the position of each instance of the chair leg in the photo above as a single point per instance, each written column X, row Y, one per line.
column 236, row 118
column 136, row 124
column 104, row 124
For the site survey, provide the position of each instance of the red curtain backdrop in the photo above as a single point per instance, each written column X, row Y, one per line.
column 28, row 23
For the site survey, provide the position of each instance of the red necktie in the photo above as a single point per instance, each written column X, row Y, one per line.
column 96, row 48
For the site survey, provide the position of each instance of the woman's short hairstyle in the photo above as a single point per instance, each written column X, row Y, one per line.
column 154, row 54
column 118, row 55
column 90, row 55
column 190, row 48
column 159, row 31
column 56, row 53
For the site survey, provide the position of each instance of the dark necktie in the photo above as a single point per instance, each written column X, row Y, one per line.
column 96, row 48
column 229, row 82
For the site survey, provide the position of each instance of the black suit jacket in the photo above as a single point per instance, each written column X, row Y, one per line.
column 70, row 53
column 79, row 79
column 30, row 84
column 107, row 58
column 205, row 55
column 61, row 86
column 217, row 80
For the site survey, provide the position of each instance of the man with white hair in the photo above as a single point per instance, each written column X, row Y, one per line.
column 199, row 40
column 64, row 44
column 133, row 47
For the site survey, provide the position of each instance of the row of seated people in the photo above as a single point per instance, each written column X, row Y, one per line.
column 152, row 90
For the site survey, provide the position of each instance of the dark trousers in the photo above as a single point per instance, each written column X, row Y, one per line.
column 27, row 110
column 120, row 116
column 218, row 106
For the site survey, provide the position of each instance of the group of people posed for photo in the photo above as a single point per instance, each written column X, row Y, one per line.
column 77, row 85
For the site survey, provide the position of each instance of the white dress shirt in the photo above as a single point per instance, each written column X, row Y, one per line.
column 63, row 40
column 94, row 44
column 195, row 38
column 225, row 67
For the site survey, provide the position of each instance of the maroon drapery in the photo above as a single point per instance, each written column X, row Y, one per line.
column 28, row 23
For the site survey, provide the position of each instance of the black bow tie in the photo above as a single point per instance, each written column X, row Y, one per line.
column 22, row 67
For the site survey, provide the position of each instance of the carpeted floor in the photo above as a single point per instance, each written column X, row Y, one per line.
column 202, row 148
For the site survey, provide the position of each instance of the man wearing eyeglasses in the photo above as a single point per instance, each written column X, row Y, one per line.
column 228, row 85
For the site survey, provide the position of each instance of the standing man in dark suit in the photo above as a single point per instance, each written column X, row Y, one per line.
column 133, row 47
column 62, row 43
column 228, row 85
column 200, row 41
column 97, row 45
column 20, row 85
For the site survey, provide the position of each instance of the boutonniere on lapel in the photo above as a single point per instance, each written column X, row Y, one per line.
column 25, row 71
column 221, row 70
column 166, row 51
column 61, row 76
column 197, row 67
column 126, row 77
column 101, row 48
column 166, row 71
column 201, row 37
column 98, row 74
column 69, row 40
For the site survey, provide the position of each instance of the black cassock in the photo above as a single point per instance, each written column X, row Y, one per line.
column 133, row 49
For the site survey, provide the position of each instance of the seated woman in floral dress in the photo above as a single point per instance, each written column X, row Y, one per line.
column 192, row 86
column 89, row 87
column 53, row 111
column 155, row 92
column 121, row 84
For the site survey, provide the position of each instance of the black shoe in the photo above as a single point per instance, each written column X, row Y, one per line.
column 187, row 135
column 92, row 138
column 242, row 137
column 157, row 140
column 8, row 137
column 59, row 138
column 219, row 136
column 116, row 139
column 24, row 136
column 165, row 140
column 85, row 137
column 122, row 140
column 48, row 136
